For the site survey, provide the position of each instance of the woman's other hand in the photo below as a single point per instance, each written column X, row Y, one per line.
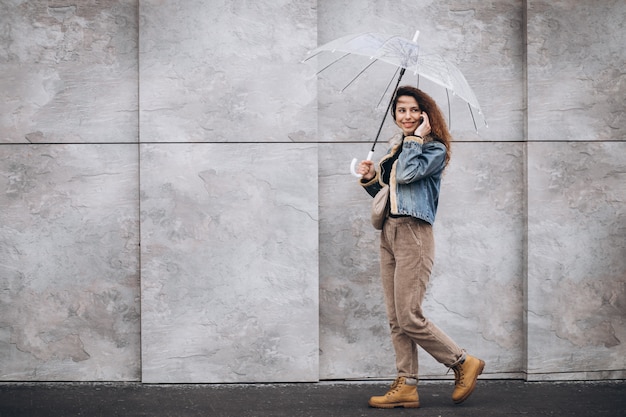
column 424, row 128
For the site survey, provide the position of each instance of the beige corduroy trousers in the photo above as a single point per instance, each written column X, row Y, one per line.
column 407, row 252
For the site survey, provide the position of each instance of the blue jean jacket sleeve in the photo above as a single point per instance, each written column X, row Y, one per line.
column 418, row 161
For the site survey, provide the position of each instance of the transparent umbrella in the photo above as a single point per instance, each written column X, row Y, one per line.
column 405, row 54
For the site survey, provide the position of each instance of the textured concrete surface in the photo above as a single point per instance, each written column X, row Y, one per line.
column 576, row 58
column 576, row 258
column 226, row 71
column 491, row 399
column 193, row 130
column 69, row 270
column 229, row 263
column 69, row 72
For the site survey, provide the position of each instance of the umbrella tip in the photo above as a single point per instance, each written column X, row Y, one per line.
column 417, row 34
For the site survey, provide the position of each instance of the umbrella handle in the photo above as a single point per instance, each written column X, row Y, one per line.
column 354, row 161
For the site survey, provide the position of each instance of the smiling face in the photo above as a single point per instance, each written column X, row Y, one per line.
column 408, row 114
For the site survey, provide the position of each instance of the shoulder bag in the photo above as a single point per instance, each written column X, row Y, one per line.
column 380, row 207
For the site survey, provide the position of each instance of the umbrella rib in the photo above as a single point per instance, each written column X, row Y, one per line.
column 388, row 85
column 449, row 112
column 473, row 120
column 332, row 63
column 358, row 75
column 312, row 56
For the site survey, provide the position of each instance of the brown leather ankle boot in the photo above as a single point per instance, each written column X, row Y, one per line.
column 399, row 395
column 466, row 374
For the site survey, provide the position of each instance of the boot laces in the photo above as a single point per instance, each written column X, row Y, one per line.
column 458, row 375
column 395, row 386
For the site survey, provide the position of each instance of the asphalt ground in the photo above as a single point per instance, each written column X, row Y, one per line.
column 325, row 399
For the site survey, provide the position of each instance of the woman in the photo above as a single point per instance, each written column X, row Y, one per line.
column 413, row 168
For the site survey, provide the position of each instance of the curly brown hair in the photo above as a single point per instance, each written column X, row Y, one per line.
column 439, row 128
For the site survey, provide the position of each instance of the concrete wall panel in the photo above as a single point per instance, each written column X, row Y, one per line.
column 483, row 38
column 227, row 71
column 576, row 260
column 69, row 71
column 576, row 62
column 69, row 263
column 476, row 291
column 229, row 263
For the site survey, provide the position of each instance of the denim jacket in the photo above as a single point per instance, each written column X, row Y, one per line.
column 414, row 177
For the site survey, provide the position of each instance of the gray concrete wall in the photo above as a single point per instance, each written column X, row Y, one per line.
column 177, row 206
column 69, row 191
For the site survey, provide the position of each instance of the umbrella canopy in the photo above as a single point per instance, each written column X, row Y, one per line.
column 402, row 53
column 405, row 54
